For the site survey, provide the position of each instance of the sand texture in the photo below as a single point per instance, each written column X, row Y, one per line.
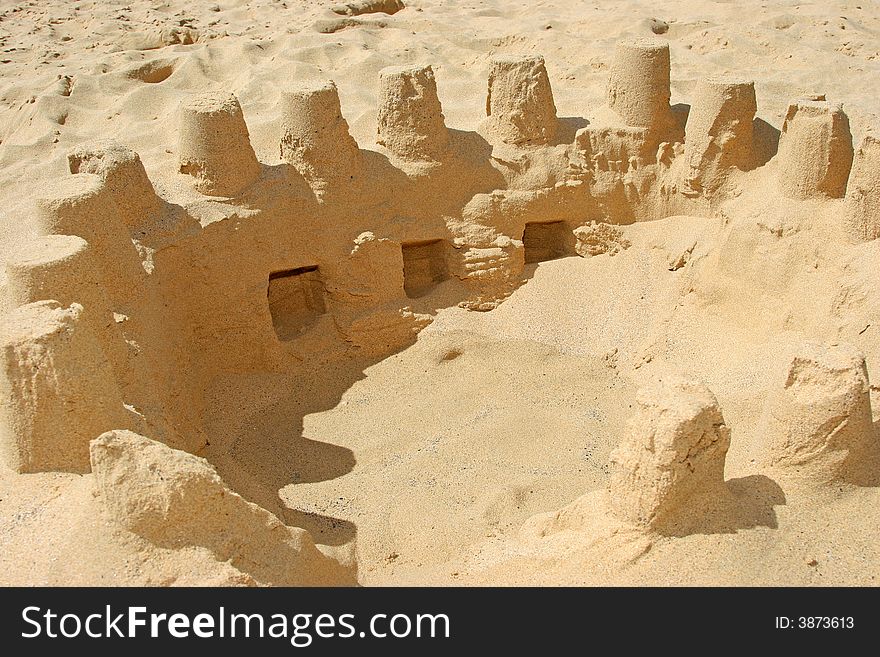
column 430, row 292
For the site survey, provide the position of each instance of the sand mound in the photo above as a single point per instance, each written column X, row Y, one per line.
column 175, row 499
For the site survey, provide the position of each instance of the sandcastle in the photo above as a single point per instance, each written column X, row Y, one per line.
column 129, row 304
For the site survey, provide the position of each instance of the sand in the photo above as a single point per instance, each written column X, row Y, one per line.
column 439, row 293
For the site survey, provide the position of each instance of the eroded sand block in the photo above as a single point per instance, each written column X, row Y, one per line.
column 815, row 150
column 82, row 205
column 214, row 146
column 613, row 149
column 638, row 89
column 863, row 192
column 520, row 107
column 56, row 392
column 411, row 123
column 818, row 424
column 671, row 463
column 314, row 134
column 124, row 176
column 175, row 499
column 719, row 132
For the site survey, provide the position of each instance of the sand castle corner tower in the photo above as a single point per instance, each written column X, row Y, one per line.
column 214, row 145
column 124, row 177
column 818, row 423
column 863, row 192
column 719, row 131
column 315, row 138
column 638, row 88
column 411, row 123
column 519, row 105
column 815, row 150
column 672, row 461
column 56, row 390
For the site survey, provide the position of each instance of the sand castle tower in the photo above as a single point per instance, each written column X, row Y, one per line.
column 411, row 123
column 519, row 105
column 719, row 131
column 314, row 135
column 84, row 206
column 56, row 391
column 638, row 89
column 672, row 462
column 863, row 192
column 815, row 150
column 214, row 145
column 124, row 177
column 818, row 423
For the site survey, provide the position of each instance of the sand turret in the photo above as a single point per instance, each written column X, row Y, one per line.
column 671, row 464
column 314, row 134
column 815, row 150
column 519, row 105
column 817, row 423
column 214, row 146
column 56, row 391
column 719, row 131
column 863, row 192
column 82, row 205
column 638, row 90
column 124, row 177
column 175, row 499
column 411, row 123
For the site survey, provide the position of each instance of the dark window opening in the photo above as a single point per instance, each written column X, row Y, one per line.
column 546, row 241
column 424, row 265
column 296, row 300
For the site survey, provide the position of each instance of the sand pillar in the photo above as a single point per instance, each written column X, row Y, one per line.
column 817, row 421
column 56, row 392
column 520, row 105
column 672, row 462
column 214, row 146
column 124, row 177
column 314, row 134
column 638, row 90
column 411, row 121
column 863, row 192
column 815, row 150
column 82, row 205
column 719, row 131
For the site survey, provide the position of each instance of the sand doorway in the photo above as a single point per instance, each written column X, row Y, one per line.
column 296, row 300
column 424, row 266
column 546, row 241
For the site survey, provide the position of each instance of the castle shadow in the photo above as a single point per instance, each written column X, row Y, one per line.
column 751, row 504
